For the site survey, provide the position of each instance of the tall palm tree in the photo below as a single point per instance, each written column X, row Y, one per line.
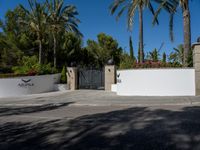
column 61, row 18
column 36, row 21
column 171, row 6
column 187, row 30
column 131, row 6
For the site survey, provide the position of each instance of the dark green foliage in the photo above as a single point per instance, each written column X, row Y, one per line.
column 177, row 55
column 154, row 55
column 190, row 59
column 27, row 31
column 15, row 40
column 131, row 48
column 138, row 57
column 10, row 54
column 4, row 70
column 126, row 62
column 30, row 66
column 104, row 49
column 63, row 78
column 61, row 19
column 70, row 49
column 164, row 58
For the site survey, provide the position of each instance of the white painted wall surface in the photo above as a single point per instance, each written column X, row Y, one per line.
column 156, row 82
column 114, row 87
column 10, row 87
column 61, row 87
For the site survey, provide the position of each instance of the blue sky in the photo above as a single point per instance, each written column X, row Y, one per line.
column 95, row 18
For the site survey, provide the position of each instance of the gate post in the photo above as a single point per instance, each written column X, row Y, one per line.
column 110, row 76
column 72, row 78
column 196, row 62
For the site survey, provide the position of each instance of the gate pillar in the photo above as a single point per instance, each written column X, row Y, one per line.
column 196, row 61
column 110, row 76
column 72, row 78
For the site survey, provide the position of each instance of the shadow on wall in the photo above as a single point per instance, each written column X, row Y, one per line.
column 130, row 129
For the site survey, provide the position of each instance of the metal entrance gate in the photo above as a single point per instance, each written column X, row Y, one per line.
column 89, row 78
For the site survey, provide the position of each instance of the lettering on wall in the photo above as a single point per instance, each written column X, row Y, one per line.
column 26, row 83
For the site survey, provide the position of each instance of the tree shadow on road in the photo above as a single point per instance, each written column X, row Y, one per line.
column 130, row 129
column 7, row 111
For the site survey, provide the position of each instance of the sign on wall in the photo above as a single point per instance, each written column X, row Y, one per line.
column 26, row 83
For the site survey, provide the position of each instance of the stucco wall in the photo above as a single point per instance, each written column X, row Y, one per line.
column 28, row 85
column 156, row 82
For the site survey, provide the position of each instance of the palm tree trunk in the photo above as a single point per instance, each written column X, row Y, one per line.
column 54, row 50
column 187, row 31
column 141, row 43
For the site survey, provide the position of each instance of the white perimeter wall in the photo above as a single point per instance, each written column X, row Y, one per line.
column 27, row 85
column 156, row 82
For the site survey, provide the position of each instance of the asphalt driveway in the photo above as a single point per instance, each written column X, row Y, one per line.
column 99, row 120
column 96, row 98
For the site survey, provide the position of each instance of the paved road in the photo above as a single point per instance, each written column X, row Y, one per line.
column 96, row 98
column 98, row 120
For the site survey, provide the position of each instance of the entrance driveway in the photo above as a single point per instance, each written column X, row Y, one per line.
column 96, row 98
column 99, row 120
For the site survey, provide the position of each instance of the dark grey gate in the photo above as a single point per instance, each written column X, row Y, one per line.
column 89, row 78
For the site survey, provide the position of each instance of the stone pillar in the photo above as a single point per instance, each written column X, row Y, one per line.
column 196, row 61
column 110, row 76
column 72, row 78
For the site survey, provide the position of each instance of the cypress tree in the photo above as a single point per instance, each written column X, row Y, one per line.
column 138, row 54
column 164, row 58
column 131, row 48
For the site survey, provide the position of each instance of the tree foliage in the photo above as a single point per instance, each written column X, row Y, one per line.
column 61, row 19
column 104, row 49
column 171, row 6
column 131, row 7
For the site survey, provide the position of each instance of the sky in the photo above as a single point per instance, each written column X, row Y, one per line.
column 96, row 18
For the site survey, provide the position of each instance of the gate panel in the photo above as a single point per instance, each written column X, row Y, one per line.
column 91, row 79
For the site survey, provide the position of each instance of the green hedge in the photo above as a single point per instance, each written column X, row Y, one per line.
column 11, row 75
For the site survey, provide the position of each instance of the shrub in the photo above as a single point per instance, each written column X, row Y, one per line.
column 10, row 75
column 158, row 64
column 63, row 78
column 30, row 66
column 126, row 62
column 5, row 70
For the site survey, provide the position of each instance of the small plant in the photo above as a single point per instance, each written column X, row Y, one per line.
column 63, row 78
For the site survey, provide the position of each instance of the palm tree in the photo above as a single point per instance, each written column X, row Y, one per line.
column 61, row 18
column 178, row 55
column 154, row 55
column 36, row 21
column 187, row 30
column 132, row 6
column 171, row 6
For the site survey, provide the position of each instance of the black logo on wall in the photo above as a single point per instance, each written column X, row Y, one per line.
column 25, row 83
column 118, row 80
